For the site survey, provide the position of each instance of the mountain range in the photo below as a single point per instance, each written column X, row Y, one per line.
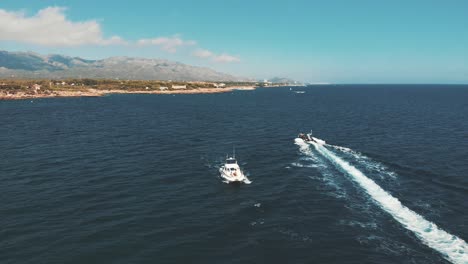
column 33, row 65
column 281, row 80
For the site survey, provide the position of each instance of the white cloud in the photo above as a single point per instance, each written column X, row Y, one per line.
column 226, row 58
column 169, row 44
column 206, row 54
column 201, row 53
column 50, row 27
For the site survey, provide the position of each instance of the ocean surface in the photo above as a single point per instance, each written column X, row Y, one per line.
column 134, row 178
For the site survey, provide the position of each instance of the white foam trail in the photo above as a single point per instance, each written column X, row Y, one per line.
column 366, row 161
column 304, row 147
column 327, row 177
column 451, row 247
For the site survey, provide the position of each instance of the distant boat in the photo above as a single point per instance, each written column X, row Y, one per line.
column 299, row 92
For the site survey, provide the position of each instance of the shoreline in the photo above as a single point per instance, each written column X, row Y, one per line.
column 97, row 93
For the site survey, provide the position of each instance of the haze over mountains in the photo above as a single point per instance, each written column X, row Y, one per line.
column 33, row 65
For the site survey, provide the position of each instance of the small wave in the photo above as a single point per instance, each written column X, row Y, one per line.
column 246, row 180
column 260, row 221
column 368, row 225
column 295, row 236
column 451, row 247
column 299, row 165
column 390, row 247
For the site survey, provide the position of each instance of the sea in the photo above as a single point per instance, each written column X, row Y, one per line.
column 132, row 178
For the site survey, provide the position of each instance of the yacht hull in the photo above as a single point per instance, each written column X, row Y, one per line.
column 239, row 177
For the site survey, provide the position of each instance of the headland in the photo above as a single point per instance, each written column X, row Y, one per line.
column 15, row 89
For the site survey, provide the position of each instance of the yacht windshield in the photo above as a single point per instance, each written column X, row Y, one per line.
column 231, row 161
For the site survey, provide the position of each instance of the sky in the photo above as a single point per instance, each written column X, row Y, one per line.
column 359, row 41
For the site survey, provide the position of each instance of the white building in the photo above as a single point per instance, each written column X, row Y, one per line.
column 36, row 87
column 179, row 86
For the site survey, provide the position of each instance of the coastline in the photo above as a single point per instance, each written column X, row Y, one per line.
column 101, row 92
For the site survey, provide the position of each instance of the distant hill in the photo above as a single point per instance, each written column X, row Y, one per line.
column 33, row 65
column 281, row 80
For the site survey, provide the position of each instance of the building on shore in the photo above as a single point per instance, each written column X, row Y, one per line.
column 179, row 86
column 36, row 87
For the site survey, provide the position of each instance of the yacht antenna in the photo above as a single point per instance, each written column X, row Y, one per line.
column 234, row 152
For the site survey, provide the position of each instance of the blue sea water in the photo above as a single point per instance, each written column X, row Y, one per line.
column 133, row 178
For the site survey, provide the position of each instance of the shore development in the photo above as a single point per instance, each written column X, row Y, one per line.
column 15, row 89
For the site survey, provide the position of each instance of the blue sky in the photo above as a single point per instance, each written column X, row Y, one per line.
column 359, row 41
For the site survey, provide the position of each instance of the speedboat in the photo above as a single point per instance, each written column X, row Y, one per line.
column 231, row 171
column 307, row 137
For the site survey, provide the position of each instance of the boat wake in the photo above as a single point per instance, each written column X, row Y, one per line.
column 367, row 162
column 246, row 180
column 330, row 184
column 450, row 246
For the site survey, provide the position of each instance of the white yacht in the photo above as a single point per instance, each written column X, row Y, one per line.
column 231, row 171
